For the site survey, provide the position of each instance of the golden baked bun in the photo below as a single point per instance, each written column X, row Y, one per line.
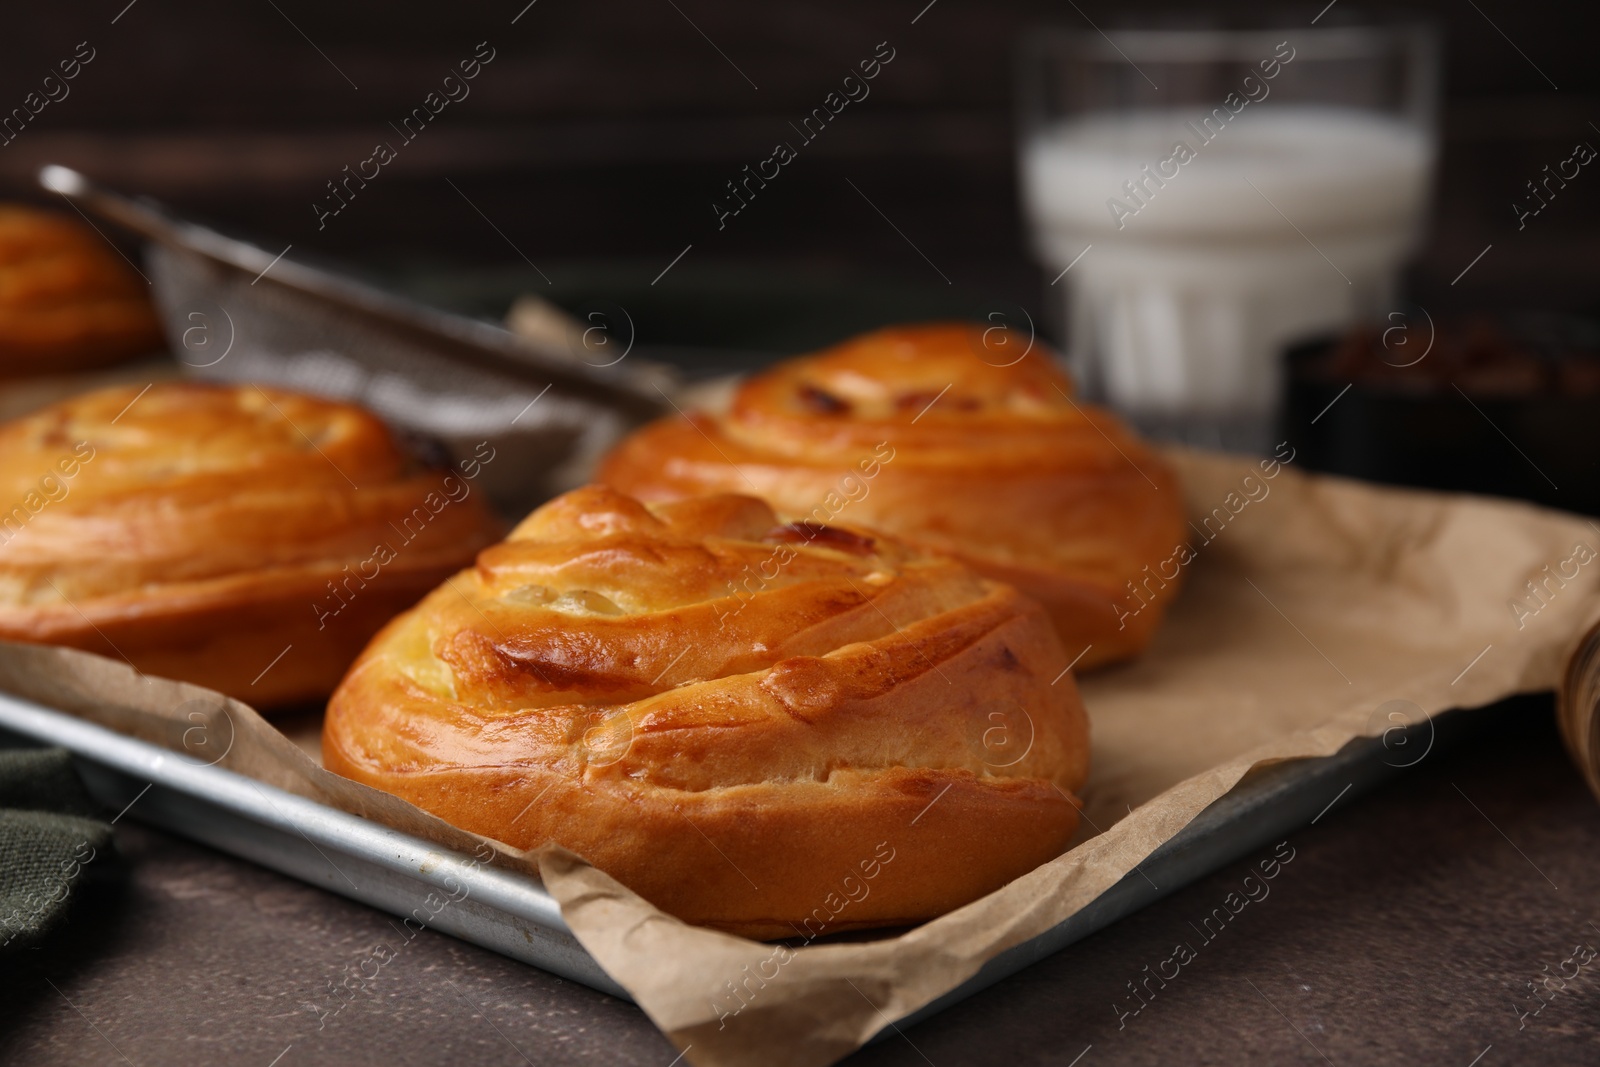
column 745, row 721
column 917, row 432
column 198, row 531
column 68, row 301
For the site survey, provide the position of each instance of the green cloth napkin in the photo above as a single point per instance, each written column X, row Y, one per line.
column 50, row 833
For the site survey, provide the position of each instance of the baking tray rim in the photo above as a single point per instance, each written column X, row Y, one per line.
column 1264, row 805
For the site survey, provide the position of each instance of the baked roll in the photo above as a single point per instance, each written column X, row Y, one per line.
column 775, row 729
column 243, row 538
column 68, row 301
column 921, row 432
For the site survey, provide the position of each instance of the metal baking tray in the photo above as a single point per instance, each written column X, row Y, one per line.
column 513, row 915
column 343, row 853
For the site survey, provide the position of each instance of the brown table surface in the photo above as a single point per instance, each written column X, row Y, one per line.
column 1406, row 929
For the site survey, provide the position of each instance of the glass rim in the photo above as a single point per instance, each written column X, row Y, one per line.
column 1209, row 44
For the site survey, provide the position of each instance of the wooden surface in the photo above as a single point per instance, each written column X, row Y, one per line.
column 605, row 130
column 1404, row 930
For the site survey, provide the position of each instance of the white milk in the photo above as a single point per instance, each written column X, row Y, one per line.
column 1187, row 304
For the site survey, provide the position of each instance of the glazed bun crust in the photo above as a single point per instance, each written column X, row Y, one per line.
column 925, row 433
column 67, row 299
column 197, row 531
column 729, row 714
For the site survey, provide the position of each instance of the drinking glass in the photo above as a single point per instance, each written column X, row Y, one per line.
column 1202, row 197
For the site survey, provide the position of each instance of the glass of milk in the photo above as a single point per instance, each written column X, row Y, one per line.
column 1204, row 197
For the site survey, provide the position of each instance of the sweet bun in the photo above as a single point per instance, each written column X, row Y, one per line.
column 243, row 538
column 68, row 301
column 944, row 436
column 769, row 728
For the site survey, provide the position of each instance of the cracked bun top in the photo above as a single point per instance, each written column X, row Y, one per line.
column 958, row 439
column 729, row 712
column 197, row 530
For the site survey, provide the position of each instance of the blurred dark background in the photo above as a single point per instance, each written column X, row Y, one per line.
column 597, row 138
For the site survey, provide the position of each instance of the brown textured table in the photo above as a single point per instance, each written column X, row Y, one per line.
column 1405, row 930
